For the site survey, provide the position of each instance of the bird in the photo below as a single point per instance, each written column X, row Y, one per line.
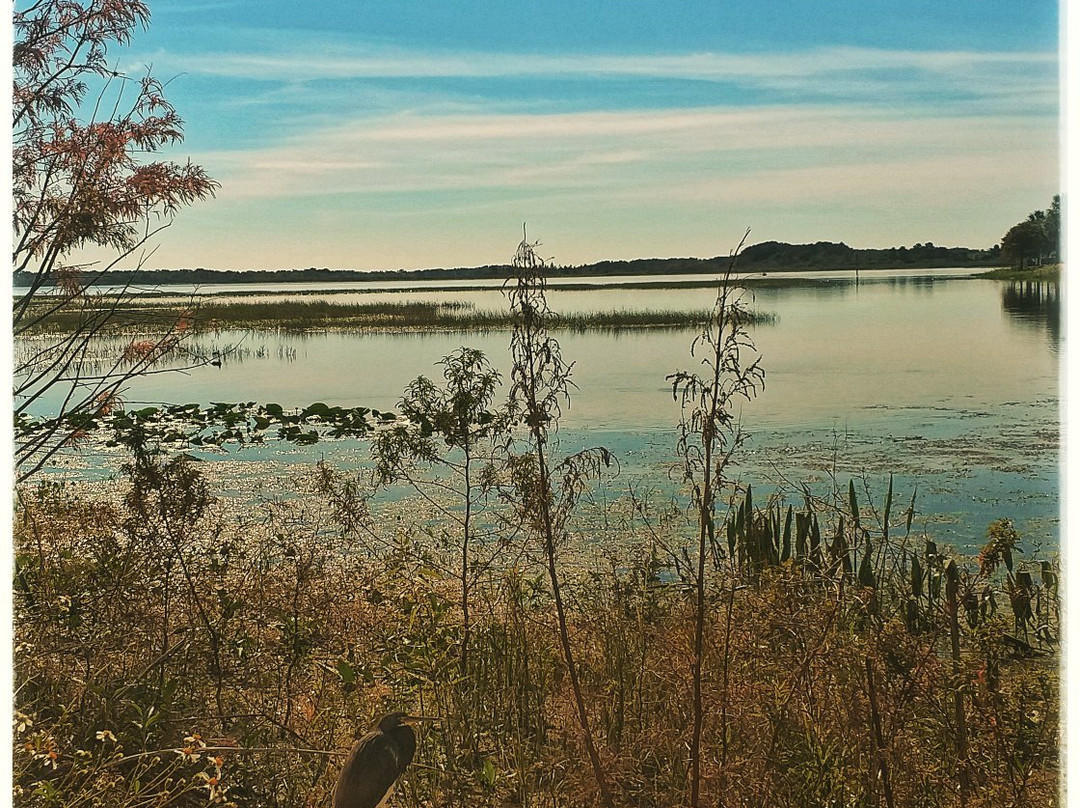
column 376, row 761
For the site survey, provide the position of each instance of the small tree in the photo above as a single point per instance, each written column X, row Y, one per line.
column 458, row 415
column 79, row 181
column 709, row 434
column 547, row 493
column 1024, row 242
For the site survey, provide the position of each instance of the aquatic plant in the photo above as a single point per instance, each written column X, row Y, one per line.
column 290, row 315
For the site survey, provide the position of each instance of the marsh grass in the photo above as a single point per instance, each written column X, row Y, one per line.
column 324, row 315
column 144, row 628
column 1045, row 273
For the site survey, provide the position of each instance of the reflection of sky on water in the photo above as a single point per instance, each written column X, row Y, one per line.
column 358, row 288
column 942, row 383
column 834, row 356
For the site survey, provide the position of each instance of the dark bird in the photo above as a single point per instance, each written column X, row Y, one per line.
column 377, row 760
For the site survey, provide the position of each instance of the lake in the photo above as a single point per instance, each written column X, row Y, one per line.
column 949, row 381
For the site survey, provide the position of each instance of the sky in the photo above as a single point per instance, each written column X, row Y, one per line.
column 385, row 135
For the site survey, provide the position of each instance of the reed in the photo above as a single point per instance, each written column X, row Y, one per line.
column 145, row 631
column 323, row 315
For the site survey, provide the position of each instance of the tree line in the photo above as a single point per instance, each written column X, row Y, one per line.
column 1036, row 240
column 766, row 256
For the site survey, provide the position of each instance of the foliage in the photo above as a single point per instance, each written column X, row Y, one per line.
column 80, row 133
column 1035, row 239
column 451, row 452
column 766, row 256
column 210, row 316
column 184, row 426
column 209, row 650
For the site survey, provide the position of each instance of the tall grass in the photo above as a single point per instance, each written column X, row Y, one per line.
column 283, row 634
column 321, row 315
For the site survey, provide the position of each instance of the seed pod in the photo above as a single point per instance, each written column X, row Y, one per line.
column 916, row 577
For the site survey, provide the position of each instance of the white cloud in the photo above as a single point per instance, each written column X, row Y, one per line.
column 321, row 61
column 868, row 130
column 928, row 179
column 847, row 73
column 613, row 152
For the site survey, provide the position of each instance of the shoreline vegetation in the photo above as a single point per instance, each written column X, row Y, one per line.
column 237, row 657
column 1048, row 273
column 765, row 257
column 207, row 311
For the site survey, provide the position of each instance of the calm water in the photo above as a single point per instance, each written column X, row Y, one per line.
column 949, row 382
column 362, row 287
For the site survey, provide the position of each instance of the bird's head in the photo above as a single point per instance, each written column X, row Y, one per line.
column 392, row 721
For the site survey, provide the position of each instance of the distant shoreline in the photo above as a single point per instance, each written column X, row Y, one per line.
column 766, row 257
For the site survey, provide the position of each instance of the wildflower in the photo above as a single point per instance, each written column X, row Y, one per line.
column 22, row 722
column 189, row 754
column 105, row 735
column 212, row 782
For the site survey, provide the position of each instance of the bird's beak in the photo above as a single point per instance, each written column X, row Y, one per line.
column 421, row 718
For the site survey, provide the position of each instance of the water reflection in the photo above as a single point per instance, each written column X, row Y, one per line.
column 915, row 282
column 888, row 377
column 1034, row 304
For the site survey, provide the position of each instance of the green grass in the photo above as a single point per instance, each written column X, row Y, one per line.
column 1049, row 272
column 323, row 315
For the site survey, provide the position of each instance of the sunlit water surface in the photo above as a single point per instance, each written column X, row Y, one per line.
column 949, row 382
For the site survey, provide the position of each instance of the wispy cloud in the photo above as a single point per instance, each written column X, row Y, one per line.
column 192, row 7
column 923, row 179
column 334, row 61
column 837, row 72
column 603, row 153
column 355, row 140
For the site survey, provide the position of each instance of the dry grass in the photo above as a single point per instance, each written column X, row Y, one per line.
column 165, row 618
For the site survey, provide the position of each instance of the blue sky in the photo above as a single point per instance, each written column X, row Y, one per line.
column 415, row 134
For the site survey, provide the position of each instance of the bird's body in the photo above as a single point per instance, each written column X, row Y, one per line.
column 377, row 760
